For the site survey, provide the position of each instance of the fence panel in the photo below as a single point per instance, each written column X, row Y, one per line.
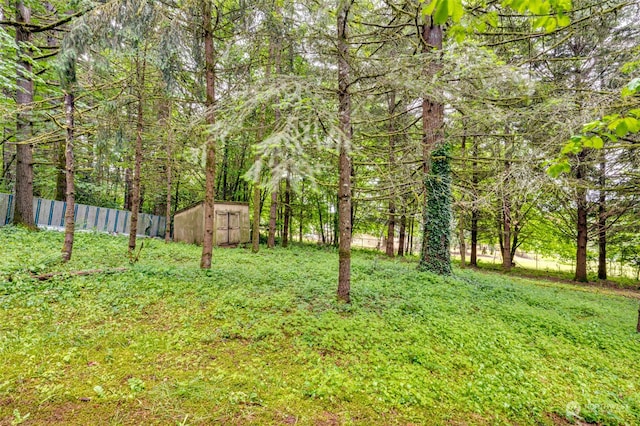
column 50, row 214
column 6, row 215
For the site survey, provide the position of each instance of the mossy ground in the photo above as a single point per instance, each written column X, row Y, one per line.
column 260, row 339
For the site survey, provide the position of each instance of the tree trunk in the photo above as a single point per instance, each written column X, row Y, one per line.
column 280, row 215
column 461, row 213
column 167, row 229
column 506, row 232
column 225, row 172
column 411, row 229
column 8, row 156
column 69, row 216
column 515, row 233
column 463, row 246
column 473, row 261
column 176, row 197
column 344, row 181
column 292, row 201
column 300, row 225
column 255, row 232
column 23, row 212
column 435, row 255
column 392, row 206
column 323, row 239
column 274, row 53
column 507, row 261
column 273, row 212
column 210, row 166
column 257, row 200
column 8, row 150
column 602, row 220
column 336, row 224
column 59, row 148
column 128, row 189
column 402, row 236
column 287, row 212
column 582, row 234
column 581, row 251
column 60, row 160
column 135, row 198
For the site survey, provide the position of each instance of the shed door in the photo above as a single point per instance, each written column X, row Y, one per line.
column 234, row 228
column 222, row 228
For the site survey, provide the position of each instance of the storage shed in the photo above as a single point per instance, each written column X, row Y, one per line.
column 231, row 224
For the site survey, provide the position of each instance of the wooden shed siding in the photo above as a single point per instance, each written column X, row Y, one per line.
column 189, row 223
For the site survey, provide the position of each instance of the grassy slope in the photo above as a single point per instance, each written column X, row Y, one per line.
column 567, row 276
column 260, row 340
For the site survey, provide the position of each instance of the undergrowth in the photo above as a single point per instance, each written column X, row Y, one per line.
column 260, row 339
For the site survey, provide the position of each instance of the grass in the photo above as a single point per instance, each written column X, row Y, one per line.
column 562, row 275
column 260, row 339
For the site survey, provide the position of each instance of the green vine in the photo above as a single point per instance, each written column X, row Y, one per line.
column 435, row 256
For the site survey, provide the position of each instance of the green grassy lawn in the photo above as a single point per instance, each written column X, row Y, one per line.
column 556, row 275
column 546, row 268
column 260, row 339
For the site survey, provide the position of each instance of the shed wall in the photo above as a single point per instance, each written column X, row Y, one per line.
column 189, row 224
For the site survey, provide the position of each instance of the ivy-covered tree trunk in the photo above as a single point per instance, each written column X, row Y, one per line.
column 435, row 255
column 23, row 213
column 210, row 165
column 69, row 216
column 344, row 164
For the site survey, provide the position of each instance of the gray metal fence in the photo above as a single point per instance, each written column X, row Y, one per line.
column 50, row 214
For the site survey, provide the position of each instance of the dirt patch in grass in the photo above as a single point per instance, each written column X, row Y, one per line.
column 328, row 419
column 557, row 419
column 65, row 413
